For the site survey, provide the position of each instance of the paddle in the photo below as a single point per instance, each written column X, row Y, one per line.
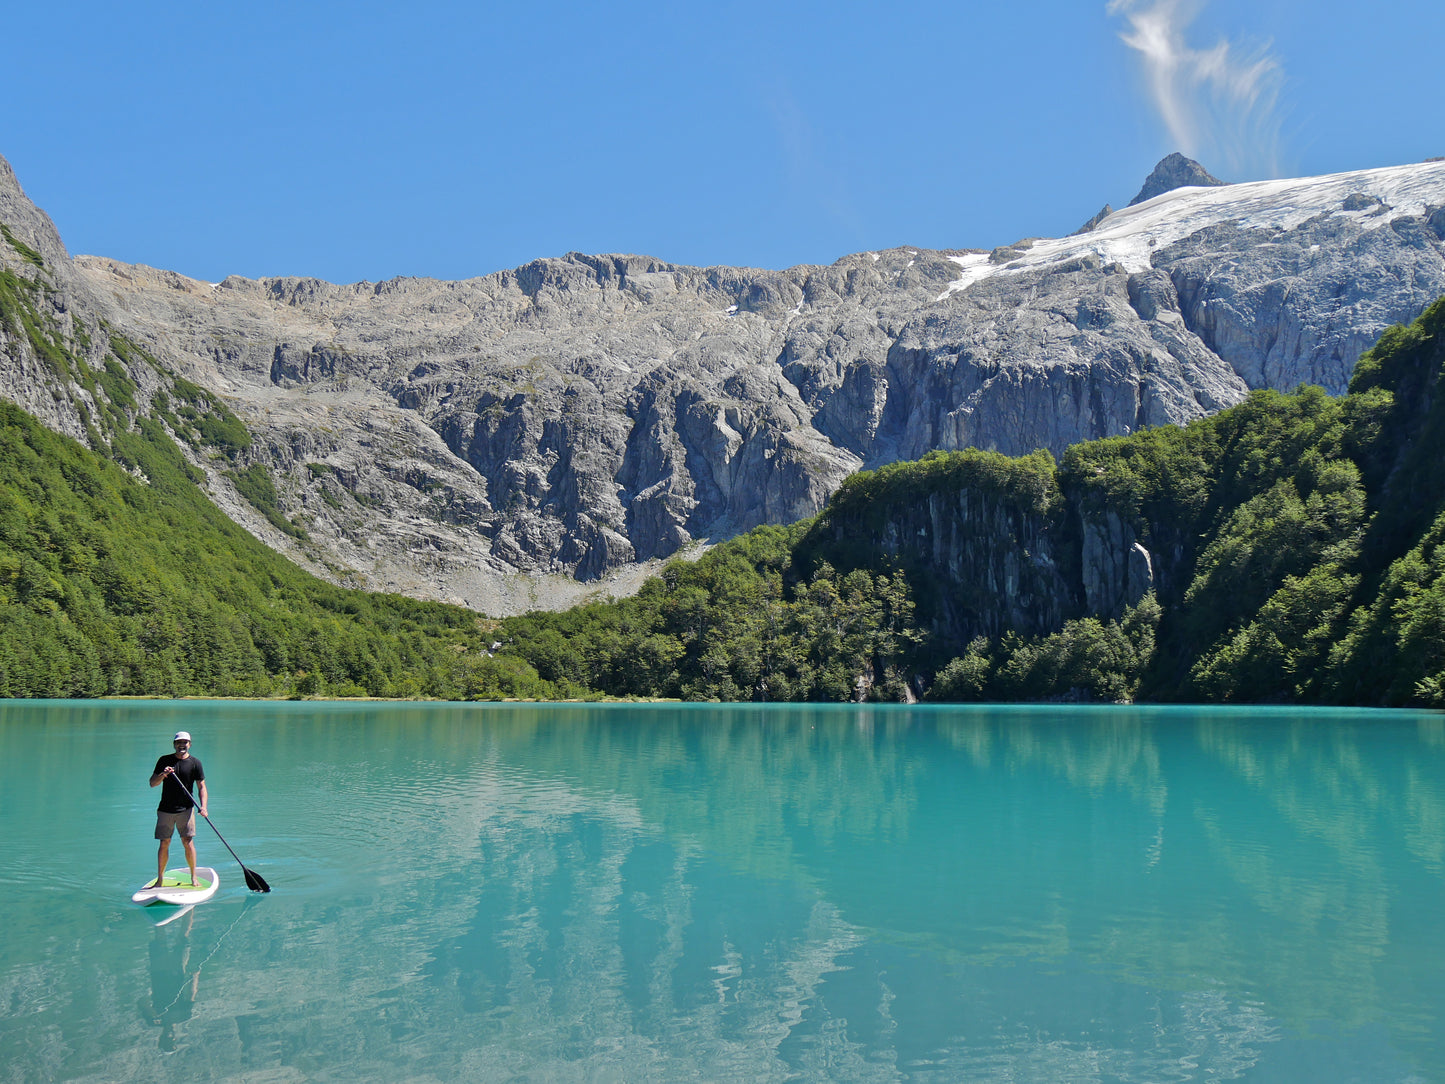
column 254, row 881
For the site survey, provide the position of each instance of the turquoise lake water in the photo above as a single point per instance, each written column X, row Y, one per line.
column 673, row 893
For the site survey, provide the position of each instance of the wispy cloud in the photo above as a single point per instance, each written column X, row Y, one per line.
column 1220, row 103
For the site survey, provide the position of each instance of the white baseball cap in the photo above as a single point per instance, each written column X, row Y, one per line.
column 181, row 735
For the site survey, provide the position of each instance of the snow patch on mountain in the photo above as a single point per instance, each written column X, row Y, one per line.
column 1129, row 237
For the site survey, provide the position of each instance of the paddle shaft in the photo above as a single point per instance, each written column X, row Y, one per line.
column 260, row 884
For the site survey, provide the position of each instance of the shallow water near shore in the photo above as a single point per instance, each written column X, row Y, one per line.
column 671, row 892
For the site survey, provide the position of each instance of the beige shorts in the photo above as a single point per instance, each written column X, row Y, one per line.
column 185, row 823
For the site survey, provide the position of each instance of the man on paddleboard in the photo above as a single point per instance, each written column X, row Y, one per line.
column 176, row 811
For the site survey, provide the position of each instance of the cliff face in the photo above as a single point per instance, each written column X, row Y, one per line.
column 30, row 248
column 992, row 544
column 1009, row 568
column 530, row 437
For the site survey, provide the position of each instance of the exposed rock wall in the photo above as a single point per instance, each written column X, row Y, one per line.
column 1005, row 567
column 995, row 557
column 30, row 247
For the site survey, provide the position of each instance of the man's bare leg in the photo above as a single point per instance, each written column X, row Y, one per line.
column 189, row 842
column 162, row 855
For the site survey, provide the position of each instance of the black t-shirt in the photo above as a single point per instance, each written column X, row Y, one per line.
column 173, row 799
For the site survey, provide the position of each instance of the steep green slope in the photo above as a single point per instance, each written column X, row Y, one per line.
column 114, row 583
column 1305, row 530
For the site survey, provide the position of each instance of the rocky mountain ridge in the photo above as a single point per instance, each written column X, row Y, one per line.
column 533, row 436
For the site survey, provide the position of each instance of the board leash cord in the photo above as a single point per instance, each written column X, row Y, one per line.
column 188, row 974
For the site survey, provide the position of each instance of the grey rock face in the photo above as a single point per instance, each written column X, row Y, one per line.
column 29, row 245
column 1008, row 566
column 1075, row 363
column 539, row 435
column 26, row 223
column 1175, row 171
column 1117, row 570
column 1284, row 307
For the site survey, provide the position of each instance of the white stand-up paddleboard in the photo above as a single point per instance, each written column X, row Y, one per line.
column 176, row 888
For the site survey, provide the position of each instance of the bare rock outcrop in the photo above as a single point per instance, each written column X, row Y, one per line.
column 1175, row 171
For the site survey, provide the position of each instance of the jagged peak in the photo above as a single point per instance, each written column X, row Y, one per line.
column 1103, row 213
column 26, row 223
column 1175, row 171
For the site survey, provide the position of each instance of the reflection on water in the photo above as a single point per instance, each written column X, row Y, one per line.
column 669, row 892
column 174, row 982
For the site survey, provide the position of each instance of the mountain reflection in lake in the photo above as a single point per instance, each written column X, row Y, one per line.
column 732, row 892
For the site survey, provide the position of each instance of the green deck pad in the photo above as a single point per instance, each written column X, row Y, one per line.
column 183, row 881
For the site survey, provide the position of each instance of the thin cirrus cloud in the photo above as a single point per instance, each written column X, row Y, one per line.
column 1220, row 103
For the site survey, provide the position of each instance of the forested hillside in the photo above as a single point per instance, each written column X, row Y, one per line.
column 116, row 582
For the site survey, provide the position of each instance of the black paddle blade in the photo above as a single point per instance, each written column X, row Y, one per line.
column 254, row 881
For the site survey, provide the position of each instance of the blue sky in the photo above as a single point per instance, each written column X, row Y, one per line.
column 368, row 140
